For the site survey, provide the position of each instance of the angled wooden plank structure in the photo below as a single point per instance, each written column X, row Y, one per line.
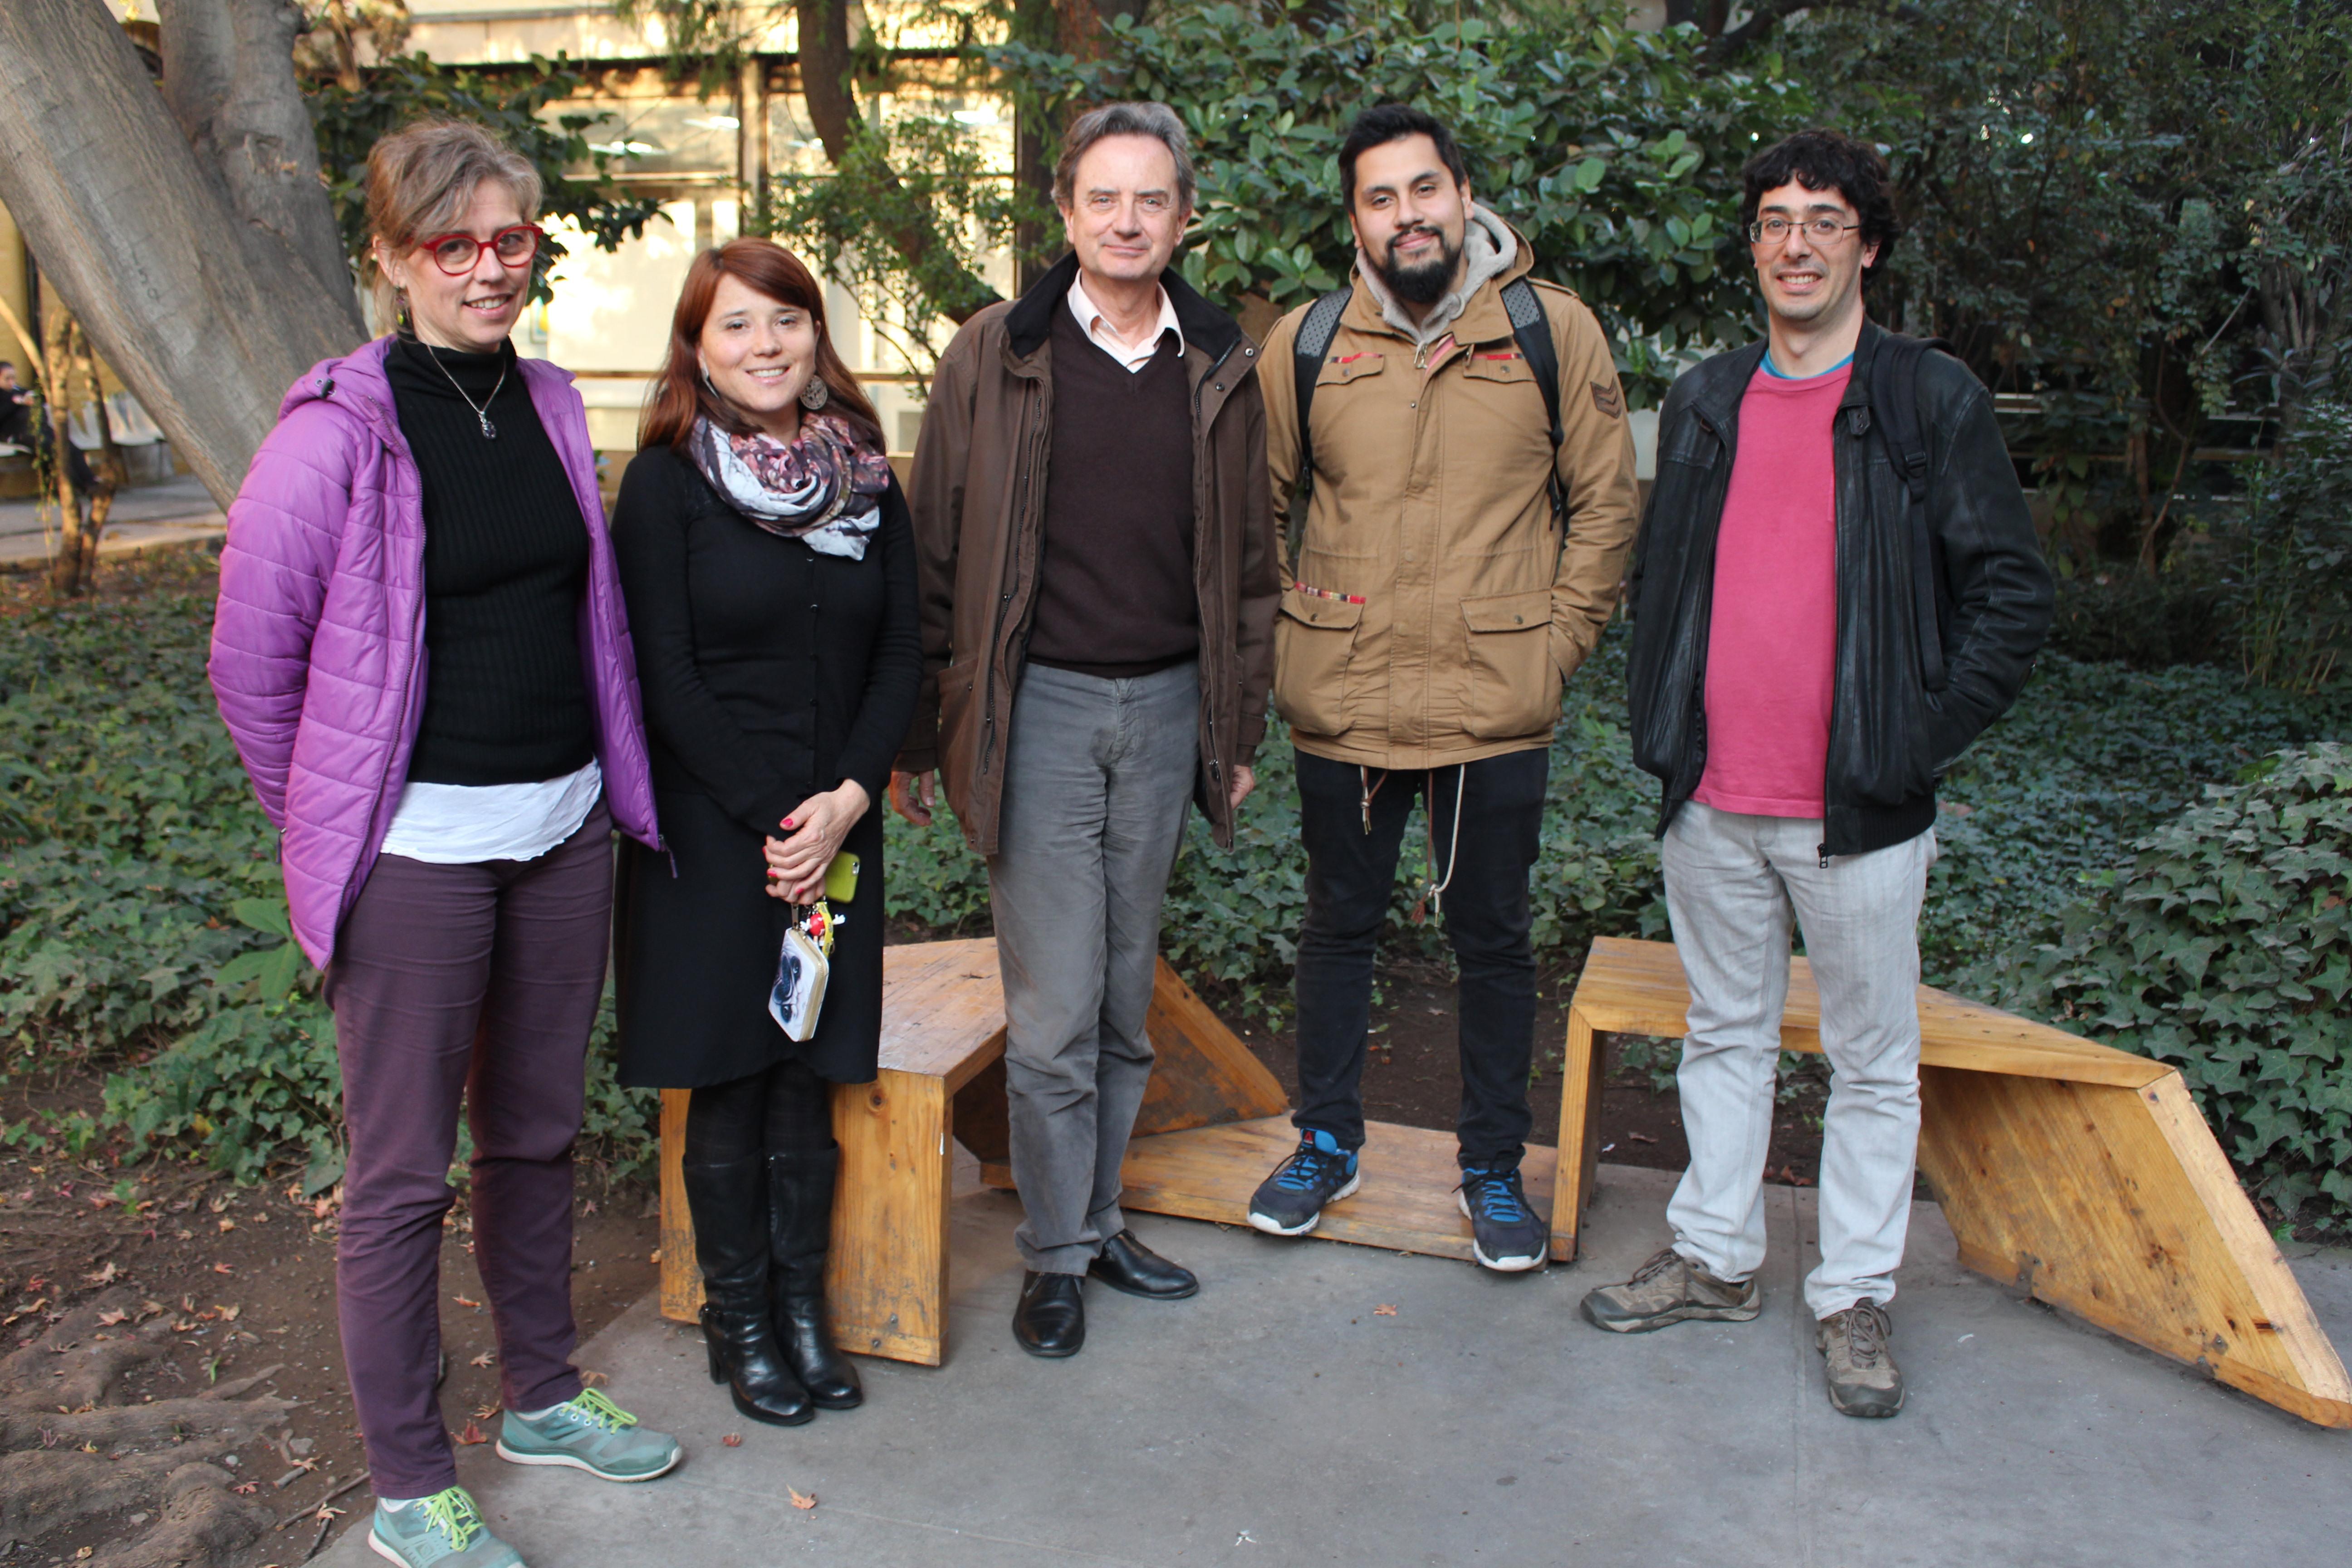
column 2079, row 1173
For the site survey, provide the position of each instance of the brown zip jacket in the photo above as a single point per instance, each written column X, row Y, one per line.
column 1449, row 613
column 978, row 498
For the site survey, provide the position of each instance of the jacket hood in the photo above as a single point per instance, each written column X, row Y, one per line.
column 1491, row 248
column 1031, row 320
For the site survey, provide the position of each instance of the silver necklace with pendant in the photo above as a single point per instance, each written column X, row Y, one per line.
column 482, row 409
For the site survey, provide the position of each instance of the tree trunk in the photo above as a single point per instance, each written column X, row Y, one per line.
column 228, row 80
column 149, row 247
column 825, row 62
column 56, row 403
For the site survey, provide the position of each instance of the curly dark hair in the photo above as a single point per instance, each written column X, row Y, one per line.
column 1824, row 161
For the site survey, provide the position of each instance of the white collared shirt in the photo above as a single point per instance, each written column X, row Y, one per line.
column 1096, row 326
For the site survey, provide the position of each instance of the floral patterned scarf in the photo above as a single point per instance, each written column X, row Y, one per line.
column 822, row 488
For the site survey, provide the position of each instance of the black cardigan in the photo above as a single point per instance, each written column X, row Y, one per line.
column 769, row 672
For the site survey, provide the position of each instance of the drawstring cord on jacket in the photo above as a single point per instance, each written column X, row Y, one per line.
column 1433, row 895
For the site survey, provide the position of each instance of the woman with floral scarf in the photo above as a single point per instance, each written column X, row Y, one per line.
column 768, row 562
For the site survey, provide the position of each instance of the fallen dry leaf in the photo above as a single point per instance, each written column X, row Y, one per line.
column 1384, row 1311
column 801, row 1499
column 656, row 1257
column 326, row 1513
column 465, row 1301
column 591, row 1379
column 484, row 1411
column 1641, row 1137
column 488, row 1358
column 228, row 1225
column 112, row 1316
column 223, row 1268
column 228, row 1314
column 105, row 1274
column 472, row 1434
column 247, row 1489
column 733, row 1439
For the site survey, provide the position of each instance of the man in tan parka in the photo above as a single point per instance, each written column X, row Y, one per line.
column 1430, row 617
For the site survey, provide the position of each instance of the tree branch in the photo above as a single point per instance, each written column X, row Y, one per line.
column 825, row 64
column 143, row 246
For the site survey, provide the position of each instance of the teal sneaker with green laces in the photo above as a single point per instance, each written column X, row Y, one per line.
column 444, row 1531
column 588, row 1433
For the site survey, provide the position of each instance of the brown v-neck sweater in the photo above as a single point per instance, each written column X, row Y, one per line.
column 1114, row 593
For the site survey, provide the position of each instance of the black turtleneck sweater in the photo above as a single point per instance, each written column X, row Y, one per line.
column 505, row 563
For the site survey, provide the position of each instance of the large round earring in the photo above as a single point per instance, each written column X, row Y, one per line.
column 815, row 394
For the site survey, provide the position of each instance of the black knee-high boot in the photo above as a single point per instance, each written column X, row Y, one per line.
column 728, row 1203
column 800, row 1232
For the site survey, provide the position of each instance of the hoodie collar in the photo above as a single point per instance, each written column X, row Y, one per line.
column 1489, row 247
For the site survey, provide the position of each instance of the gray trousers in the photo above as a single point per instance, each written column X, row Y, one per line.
column 1734, row 886
column 1098, row 774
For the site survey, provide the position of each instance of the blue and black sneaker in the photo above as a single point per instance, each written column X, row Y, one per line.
column 1505, row 1233
column 1289, row 1202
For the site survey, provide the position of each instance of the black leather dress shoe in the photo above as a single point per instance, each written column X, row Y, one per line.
column 1127, row 1264
column 1051, row 1320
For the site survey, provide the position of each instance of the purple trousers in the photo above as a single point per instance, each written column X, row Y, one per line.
column 475, row 985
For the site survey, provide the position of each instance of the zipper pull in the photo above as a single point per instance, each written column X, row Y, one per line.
column 1823, row 849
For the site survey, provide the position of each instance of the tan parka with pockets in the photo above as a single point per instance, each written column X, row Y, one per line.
column 1430, row 506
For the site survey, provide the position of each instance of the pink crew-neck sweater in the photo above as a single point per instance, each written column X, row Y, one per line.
column 1772, row 635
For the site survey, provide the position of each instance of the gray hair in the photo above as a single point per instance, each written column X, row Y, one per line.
column 1156, row 120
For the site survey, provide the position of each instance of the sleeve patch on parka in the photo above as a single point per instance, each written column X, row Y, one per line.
column 1606, row 398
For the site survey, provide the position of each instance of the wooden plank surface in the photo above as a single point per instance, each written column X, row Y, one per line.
column 2115, row 1204
column 1637, row 988
column 1203, row 1074
column 1406, row 1202
column 681, row 1281
column 887, row 1278
column 942, row 1009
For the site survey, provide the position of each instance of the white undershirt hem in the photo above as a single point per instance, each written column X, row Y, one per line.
column 462, row 824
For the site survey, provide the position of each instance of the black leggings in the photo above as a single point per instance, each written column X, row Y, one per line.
column 786, row 1110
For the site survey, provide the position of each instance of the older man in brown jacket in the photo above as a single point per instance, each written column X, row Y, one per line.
column 1434, row 615
column 1097, row 560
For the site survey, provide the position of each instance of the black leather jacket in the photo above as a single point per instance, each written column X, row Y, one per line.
column 1907, row 696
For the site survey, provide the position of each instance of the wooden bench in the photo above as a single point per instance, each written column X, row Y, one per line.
column 941, row 1081
column 887, row 1281
column 2076, row 1172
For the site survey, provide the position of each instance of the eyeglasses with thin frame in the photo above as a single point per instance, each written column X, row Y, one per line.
column 458, row 254
column 1775, row 230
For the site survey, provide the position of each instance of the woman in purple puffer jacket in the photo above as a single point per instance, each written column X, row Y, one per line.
column 421, row 650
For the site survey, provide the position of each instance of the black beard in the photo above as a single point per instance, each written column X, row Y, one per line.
column 1426, row 283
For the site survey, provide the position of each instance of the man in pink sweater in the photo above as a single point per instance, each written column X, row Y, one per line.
column 1837, row 587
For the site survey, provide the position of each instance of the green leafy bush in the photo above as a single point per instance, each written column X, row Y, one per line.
column 2225, row 947
column 1614, row 150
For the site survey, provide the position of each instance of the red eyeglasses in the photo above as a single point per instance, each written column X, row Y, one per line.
column 458, row 254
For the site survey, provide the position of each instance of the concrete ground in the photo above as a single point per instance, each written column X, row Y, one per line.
column 1282, row 1418
column 144, row 516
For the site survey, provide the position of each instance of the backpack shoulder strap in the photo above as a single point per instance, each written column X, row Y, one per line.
column 1895, row 406
column 1894, row 409
column 1320, row 325
column 1531, row 329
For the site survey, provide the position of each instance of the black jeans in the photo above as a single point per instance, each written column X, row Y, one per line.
column 1349, row 876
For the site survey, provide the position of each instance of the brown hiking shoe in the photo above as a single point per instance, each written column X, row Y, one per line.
column 1864, row 1378
column 1670, row 1289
